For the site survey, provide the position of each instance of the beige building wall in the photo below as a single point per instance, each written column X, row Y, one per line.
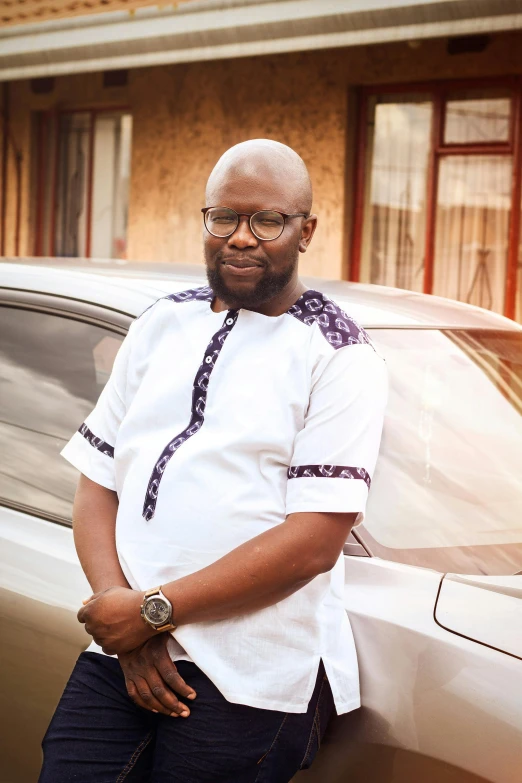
column 186, row 115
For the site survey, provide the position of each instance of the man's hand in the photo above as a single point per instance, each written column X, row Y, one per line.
column 113, row 619
column 152, row 678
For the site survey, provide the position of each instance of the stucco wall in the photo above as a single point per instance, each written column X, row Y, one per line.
column 185, row 116
column 199, row 111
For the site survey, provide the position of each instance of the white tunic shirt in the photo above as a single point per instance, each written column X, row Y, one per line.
column 212, row 429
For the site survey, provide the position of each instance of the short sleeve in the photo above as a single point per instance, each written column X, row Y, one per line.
column 91, row 448
column 335, row 453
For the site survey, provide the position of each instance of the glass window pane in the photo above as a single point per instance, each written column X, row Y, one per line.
column 447, row 487
column 112, row 149
column 395, row 201
column 472, row 224
column 52, row 371
column 72, row 184
column 64, row 165
column 477, row 119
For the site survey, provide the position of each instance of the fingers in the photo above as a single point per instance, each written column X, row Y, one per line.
column 151, row 694
column 170, row 675
column 84, row 603
column 153, row 681
column 141, row 695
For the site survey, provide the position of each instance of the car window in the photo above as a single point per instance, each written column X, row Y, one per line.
column 52, row 370
column 447, row 489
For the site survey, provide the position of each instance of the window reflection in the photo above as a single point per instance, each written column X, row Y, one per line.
column 52, row 371
column 447, row 487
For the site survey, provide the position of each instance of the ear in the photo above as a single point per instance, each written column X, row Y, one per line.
column 307, row 232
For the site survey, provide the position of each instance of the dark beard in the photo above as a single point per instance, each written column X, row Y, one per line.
column 270, row 285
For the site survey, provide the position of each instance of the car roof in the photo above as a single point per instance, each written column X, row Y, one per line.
column 130, row 287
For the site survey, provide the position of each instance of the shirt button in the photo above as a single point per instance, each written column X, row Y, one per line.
column 229, row 321
column 208, row 359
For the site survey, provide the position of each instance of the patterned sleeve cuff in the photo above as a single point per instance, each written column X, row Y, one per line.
column 94, row 462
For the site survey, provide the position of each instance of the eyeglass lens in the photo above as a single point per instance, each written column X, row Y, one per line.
column 222, row 222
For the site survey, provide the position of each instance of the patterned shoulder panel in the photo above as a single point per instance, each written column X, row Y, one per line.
column 338, row 328
column 203, row 294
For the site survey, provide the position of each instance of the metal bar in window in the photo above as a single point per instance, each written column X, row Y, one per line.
column 99, row 109
column 18, row 209
column 354, row 266
column 54, row 208
column 4, row 123
column 514, row 223
column 90, row 172
column 431, row 197
column 40, row 179
column 491, row 148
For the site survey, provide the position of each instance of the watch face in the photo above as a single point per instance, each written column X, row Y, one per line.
column 157, row 611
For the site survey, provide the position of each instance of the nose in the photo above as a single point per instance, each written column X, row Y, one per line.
column 243, row 236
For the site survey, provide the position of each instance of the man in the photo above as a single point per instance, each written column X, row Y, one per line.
column 223, row 468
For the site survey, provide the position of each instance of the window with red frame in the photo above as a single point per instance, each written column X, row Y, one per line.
column 438, row 191
column 82, row 189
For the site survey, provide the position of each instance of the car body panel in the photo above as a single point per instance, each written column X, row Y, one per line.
column 436, row 706
column 41, row 589
column 485, row 609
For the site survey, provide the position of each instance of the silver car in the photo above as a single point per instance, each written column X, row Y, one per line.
column 433, row 578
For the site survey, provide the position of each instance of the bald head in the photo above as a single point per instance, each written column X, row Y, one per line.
column 272, row 167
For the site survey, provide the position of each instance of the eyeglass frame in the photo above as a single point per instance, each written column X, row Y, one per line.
column 284, row 215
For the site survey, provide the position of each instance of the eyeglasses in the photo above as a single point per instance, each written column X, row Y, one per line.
column 266, row 225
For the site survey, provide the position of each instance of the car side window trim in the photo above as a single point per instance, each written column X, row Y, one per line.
column 76, row 309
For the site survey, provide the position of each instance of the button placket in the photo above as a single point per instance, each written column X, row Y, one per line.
column 201, row 382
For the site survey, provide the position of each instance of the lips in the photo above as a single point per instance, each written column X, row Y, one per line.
column 239, row 263
column 241, row 267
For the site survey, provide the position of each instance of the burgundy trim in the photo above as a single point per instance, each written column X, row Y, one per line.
column 199, row 400
column 329, row 471
column 96, row 442
column 337, row 328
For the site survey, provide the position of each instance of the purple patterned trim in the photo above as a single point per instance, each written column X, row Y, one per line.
column 204, row 294
column 199, row 400
column 329, row 471
column 98, row 443
column 338, row 329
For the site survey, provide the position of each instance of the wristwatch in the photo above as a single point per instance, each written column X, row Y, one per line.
column 156, row 610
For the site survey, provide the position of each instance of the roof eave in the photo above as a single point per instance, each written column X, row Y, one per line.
column 158, row 36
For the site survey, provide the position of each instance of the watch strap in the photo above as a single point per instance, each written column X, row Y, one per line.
column 153, row 591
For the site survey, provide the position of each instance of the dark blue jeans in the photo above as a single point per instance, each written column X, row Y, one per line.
column 98, row 734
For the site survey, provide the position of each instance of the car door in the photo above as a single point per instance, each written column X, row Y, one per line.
column 55, row 357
